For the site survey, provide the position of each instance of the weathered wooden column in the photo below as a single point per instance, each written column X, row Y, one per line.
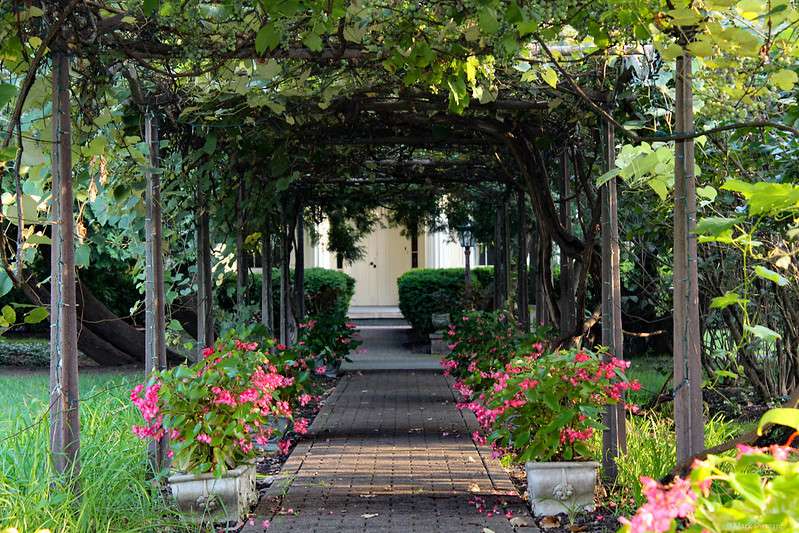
column 154, row 298
column 64, row 415
column 299, row 265
column 205, row 317
column 285, row 282
column 614, row 438
column 567, row 303
column 522, row 287
column 267, row 313
column 241, row 255
column 688, row 420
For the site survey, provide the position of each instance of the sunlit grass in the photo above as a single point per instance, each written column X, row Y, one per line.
column 651, row 452
column 114, row 494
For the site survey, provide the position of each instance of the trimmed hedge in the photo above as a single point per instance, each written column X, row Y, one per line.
column 326, row 291
column 425, row 291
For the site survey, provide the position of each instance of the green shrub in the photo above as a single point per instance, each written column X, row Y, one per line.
column 326, row 292
column 423, row 292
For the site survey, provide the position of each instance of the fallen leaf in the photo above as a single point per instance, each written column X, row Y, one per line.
column 520, row 521
column 549, row 522
column 369, row 515
column 486, row 530
column 474, row 487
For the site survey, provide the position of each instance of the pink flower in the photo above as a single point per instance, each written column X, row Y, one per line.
column 247, row 346
column 223, row 397
column 249, row 396
column 266, row 524
column 528, row 383
column 281, row 347
column 208, row 352
column 301, row 426
column 662, row 507
column 205, row 439
column 581, row 357
column 305, row 399
column 284, row 446
column 320, row 370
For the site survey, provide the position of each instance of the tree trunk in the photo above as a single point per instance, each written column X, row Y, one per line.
column 64, row 414
column 614, row 437
column 688, row 420
column 154, row 308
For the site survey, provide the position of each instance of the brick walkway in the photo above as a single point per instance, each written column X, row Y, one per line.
column 389, row 452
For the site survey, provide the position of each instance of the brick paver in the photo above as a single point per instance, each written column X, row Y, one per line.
column 389, row 452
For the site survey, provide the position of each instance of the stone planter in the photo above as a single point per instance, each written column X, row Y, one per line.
column 205, row 498
column 563, row 487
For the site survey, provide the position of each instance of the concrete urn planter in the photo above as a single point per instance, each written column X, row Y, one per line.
column 205, row 498
column 561, row 487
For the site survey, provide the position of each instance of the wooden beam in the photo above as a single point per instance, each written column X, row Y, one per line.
column 567, row 303
column 267, row 313
column 205, row 317
column 154, row 297
column 299, row 264
column 688, row 415
column 64, row 400
column 614, row 437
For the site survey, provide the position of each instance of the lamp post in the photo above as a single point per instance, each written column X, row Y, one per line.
column 467, row 241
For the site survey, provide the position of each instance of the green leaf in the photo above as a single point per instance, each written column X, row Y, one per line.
column 313, row 41
column 715, row 225
column 82, row 255
column 607, row 176
column 729, row 298
column 550, row 77
column 149, row 7
column 7, row 92
column 9, row 315
column 5, row 283
column 707, row 192
column 785, row 79
column 762, row 332
column 36, row 315
column 488, row 21
column 268, row 37
column 210, row 144
column 770, row 275
column 784, row 416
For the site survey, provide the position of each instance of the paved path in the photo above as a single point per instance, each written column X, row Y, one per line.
column 389, row 452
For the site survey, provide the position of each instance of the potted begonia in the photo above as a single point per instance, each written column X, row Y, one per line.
column 542, row 409
column 331, row 340
column 215, row 413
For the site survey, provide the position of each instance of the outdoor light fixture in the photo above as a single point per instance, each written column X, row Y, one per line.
column 467, row 241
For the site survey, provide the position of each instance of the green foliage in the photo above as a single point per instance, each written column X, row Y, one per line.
column 28, row 353
column 327, row 292
column 116, row 493
column 423, row 292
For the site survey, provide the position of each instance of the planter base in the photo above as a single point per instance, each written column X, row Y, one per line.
column 204, row 498
column 563, row 487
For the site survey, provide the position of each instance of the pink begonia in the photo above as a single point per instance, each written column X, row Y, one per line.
column 320, row 370
column 528, row 384
column 301, row 426
column 208, row 352
column 223, row 397
column 663, row 506
column 281, row 347
column 478, row 438
column 247, row 346
column 205, row 439
column 249, row 396
column 305, row 399
column 284, row 446
column 266, row 523
column 581, row 357
column 571, row 435
column 452, row 346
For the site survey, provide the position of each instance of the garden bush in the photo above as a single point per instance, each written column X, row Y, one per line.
column 326, row 292
column 423, row 292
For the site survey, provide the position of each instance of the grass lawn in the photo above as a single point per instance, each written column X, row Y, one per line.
column 114, row 492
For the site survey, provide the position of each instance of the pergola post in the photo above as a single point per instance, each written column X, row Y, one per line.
column 614, row 437
column 154, row 304
column 205, row 317
column 241, row 256
column 567, row 317
column 267, row 313
column 522, row 287
column 688, row 420
column 64, row 414
column 285, row 281
column 299, row 265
